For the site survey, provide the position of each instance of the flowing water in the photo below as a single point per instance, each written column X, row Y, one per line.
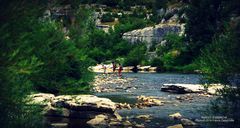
column 149, row 84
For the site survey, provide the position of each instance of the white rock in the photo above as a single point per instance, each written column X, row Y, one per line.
column 182, row 88
column 214, row 88
column 176, row 115
column 99, row 119
column 84, row 103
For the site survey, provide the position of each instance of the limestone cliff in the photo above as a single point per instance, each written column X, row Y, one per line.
column 153, row 34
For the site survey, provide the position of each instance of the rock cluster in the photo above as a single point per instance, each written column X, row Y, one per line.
column 104, row 83
column 184, row 121
column 142, row 102
column 148, row 101
column 124, row 106
column 96, row 111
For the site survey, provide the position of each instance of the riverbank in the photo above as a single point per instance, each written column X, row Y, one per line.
column 99, row 68
column 188, row 69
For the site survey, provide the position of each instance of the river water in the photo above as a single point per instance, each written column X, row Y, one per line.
column 149, row 84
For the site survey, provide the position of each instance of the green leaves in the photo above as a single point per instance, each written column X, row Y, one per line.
column 220, row 60
column 136, row 56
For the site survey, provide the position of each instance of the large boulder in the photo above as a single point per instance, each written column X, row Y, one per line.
column 84, row 103
column 182, row 88
column 72, row 105
column 92, row 110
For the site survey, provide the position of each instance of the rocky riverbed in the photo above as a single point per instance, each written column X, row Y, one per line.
column 156, row 96
column 135, row 100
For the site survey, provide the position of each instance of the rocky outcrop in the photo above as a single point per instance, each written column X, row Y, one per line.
column 153, row 34
column 182, row 88
column 84, row 103
column 211, row 89
column 95, row 110
column 86, row 110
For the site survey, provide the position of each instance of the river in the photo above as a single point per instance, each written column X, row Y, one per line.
column 149, row 84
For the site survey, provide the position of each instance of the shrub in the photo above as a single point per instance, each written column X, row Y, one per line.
column 220, row 59
column 107, row 18
column 136, row 56
column 156, row 62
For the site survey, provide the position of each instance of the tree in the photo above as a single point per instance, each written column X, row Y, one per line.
column 15, row 70
column 136, row 56
column 35, row 56
column 219, row 60
column 202, row 23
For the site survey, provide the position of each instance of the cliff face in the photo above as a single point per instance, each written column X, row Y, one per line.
column 153, row 34
column 172, row 22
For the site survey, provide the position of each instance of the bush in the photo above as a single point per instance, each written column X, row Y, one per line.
column 174, row 53
column 228, row 105
column 62, row 64
column 220, row 59
column 107, row 18
column 136, row 56
column 156, row 62
column 16, row 67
